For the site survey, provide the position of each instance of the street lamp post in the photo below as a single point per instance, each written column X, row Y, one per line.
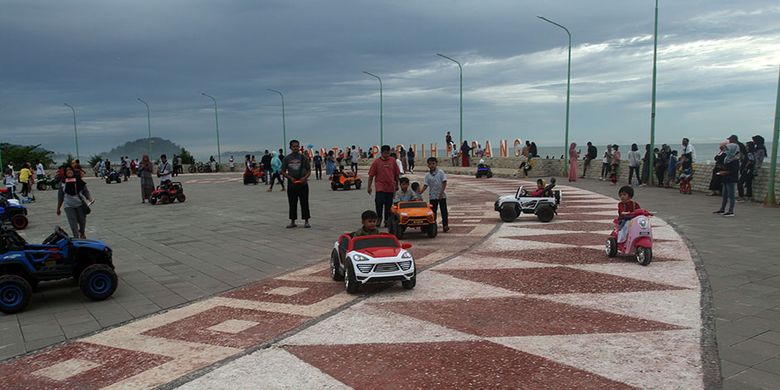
column 770, row 192
column 568, row 93
column 461, row 92
column 381, row 120
column 216, row 119
column 75, row 131
column 148, row 124
column 284, row 123
column 651, row 152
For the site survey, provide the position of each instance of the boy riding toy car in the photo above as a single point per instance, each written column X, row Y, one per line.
column 412, row 214
column 13, row 212
column 23, row 265
column 543, row 202
column 483, row 170
column 113, row 176
column 378, row 258
column 167, row 193
column 345, row 180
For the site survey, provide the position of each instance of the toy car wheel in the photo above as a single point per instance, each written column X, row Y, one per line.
column 200, row 169
column 489, row 175
column 181, row 197
column 545, row 213
column 108, row 181
column 346, row 186
column 432, row 230
column 118, row 179
column 350, row 281
column 335, row 268
column 19, row 221
column 611, row 247
column 409, row 284
column 153, row 200
column 15, row 293
column 191, row 169
column 41, row 186
column 644, row 255
column 98, row 281
column 399, row 231
column 333, row 186
column 509, row 212
column 357, row 185
column 164, row 198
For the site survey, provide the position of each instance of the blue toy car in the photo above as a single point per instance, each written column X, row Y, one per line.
column 23, row 265
column 13, row 212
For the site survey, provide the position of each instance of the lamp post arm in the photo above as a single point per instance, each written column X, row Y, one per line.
column 381, row 109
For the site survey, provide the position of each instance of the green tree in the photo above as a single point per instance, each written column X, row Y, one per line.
column 20, row 154
column 186, row 157
column 94, row 159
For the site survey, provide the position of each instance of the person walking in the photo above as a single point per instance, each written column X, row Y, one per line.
column 276, row 172
column 410, row 158
column 385, row 172
column 634, row 159
column 330, row 163
column 317, row 165
column 73, row 197
column 589, row 156
column 145, row 169
column 730, row 176
column 297, row 169
column 574, row 155
column 436, row 181
column 354, row 158
column 402, row 158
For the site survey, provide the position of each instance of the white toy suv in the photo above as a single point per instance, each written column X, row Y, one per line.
column 372, row 259
column 545, row 206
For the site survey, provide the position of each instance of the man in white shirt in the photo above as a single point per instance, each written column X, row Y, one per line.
column 39, row 171
column 688, row 149
column 398, row 162
column 165, row 170
column 354, row 158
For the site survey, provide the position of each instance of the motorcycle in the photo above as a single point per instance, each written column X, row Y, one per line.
column 638, row 238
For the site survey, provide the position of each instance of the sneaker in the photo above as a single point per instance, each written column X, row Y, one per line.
column 306, row 225
column 728, row 214
column 718, row 212
column 292, row 225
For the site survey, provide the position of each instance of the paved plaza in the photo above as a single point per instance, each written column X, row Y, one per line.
column 519, row 304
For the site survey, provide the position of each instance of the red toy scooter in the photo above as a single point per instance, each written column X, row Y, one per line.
column 638, row 239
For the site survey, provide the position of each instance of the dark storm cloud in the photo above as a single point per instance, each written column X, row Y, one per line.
column 101, row 55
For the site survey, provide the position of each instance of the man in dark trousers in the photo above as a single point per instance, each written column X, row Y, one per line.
column 266, row 162
column 385, row 170
column 590, row 156
column 297, row 169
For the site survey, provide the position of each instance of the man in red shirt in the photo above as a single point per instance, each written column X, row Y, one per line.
column 386, row 172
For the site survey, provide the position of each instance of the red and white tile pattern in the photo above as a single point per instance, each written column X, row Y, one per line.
column 532, row 306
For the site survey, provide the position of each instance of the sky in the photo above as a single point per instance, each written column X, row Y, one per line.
column 717, row 71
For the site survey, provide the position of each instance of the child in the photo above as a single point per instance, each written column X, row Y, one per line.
column 615, row 164
column 436, row 180
column 416, row 189
column 685, row 174
column 672, row 168
column 9, row 182
column 405, row 194
column 539, row 189
column 626, row 207
column 369, row 218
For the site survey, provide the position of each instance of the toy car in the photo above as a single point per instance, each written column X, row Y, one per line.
column 113, row 176
column 545, row 207
column 5, row 193
column 415, row 214
column 483, row 170
column 13, row 212
column 345, row 180
column 254, row 176
column 23, row 265
column 47, row 182
column 372, row 259
column 638, row 240
column 168, row 193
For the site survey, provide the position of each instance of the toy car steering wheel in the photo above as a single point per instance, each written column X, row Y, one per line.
column 523, row 192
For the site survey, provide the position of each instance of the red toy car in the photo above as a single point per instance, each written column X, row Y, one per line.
column 167, row 193
column 372, row 259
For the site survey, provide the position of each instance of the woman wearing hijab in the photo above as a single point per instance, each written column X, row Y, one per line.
column 716, row 181
column 465, row 153
column 72, row 194
column 573, row 157
column 730, row 175
column 145, row 169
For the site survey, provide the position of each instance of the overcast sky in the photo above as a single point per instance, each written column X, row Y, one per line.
column 717, row 70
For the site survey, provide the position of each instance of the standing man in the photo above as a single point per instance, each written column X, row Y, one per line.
column 448, row 139
column 232, row 164
column 386, row 172
column 354, row 158
column 267, row 169
column 436, row 180
column 40, row 173
column 297, row 169
column 165, row 171
column 590, row 156
column 688, row 149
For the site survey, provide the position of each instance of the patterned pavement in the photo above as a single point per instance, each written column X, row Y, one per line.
column 515, row 305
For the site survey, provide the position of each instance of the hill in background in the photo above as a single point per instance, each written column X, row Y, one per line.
column 139, row 147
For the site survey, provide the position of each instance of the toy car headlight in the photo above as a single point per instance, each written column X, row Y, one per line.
column 430, row 213
column 406, row 255
column 404, row 214
column 358, row 257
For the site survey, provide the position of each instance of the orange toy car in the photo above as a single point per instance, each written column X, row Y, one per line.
column 345, row 180
column 412, row 214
